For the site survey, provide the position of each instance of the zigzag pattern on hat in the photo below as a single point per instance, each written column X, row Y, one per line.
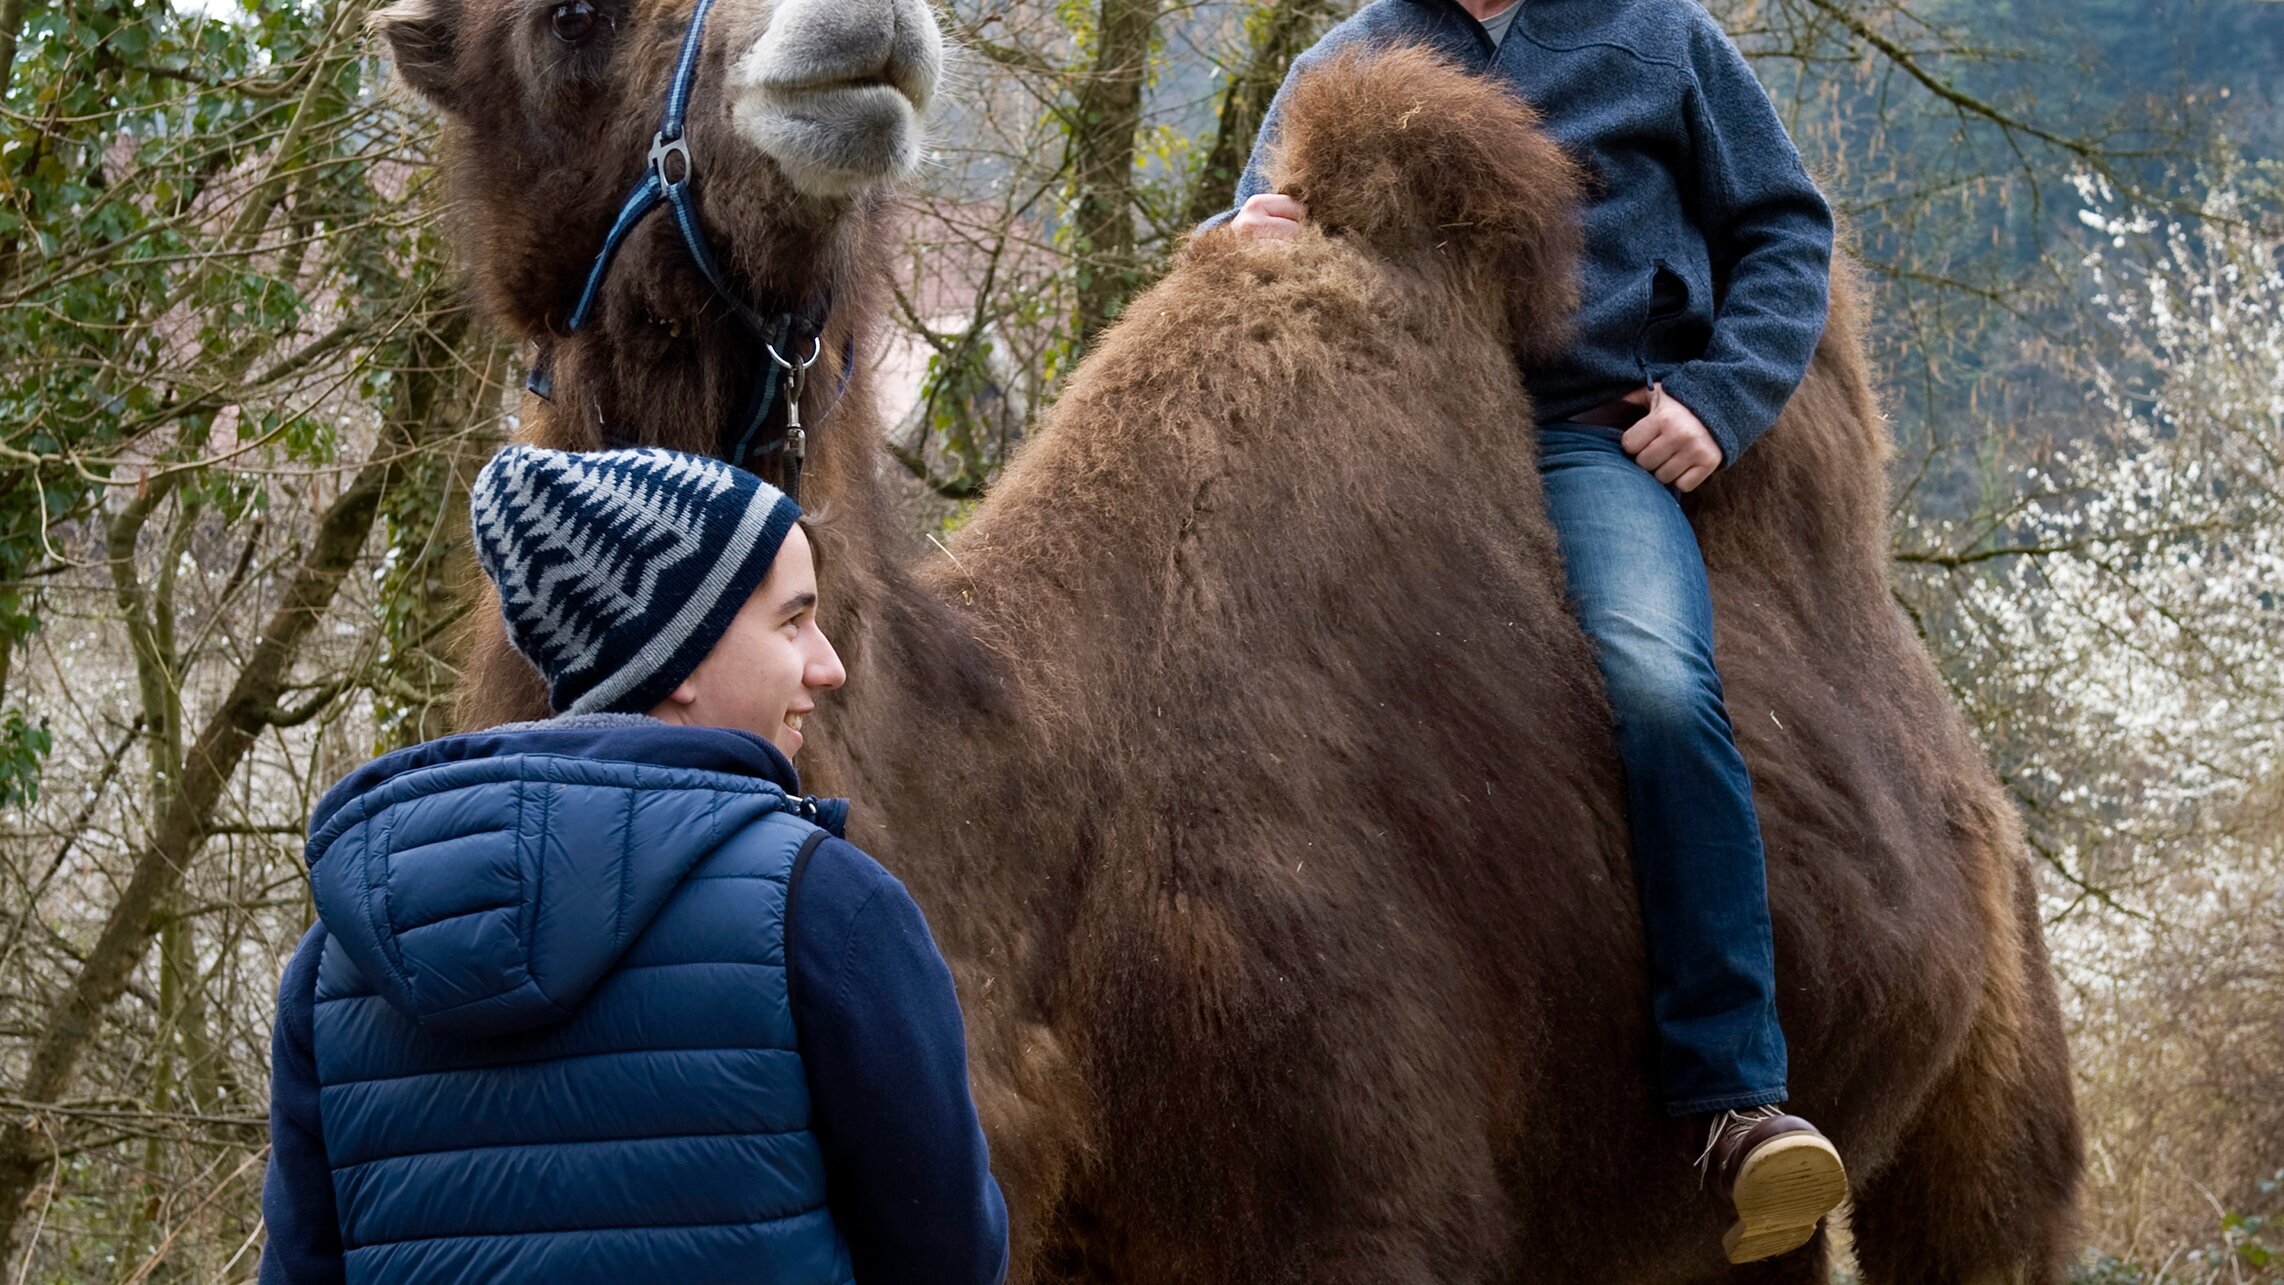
column 571, row 578
column 609, row 564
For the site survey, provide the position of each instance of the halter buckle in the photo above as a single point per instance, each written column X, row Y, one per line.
column 661, row 149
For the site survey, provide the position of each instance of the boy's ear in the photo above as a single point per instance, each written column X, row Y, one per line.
column 424, row 37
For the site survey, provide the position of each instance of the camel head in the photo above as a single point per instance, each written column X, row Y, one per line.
column 800, row 113
column 1442, row 172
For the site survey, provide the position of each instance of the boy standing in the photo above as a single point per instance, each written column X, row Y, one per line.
column 1704, row 290
column 605, row 998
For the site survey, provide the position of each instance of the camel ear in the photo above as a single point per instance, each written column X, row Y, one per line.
column 1413, row 156
column 423, row 36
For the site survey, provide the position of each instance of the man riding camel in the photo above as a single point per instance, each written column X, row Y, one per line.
column 1704, row 289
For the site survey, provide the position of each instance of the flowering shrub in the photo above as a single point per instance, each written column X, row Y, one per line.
column 2116, row 627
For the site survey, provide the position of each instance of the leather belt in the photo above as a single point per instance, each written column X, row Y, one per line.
column 1616, row 413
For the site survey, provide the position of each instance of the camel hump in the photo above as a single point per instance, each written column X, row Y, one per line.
column 1407, row 153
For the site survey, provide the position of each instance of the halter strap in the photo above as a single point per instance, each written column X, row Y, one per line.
column 646, row 194
column 668, row 178
column 668, row 152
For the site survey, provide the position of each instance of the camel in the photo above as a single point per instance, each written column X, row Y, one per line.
column 1253, row 776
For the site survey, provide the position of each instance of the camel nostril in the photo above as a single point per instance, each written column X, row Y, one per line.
column 916, row 57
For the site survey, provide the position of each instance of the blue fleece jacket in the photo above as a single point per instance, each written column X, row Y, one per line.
column 879, row 1032
column 1708, row 248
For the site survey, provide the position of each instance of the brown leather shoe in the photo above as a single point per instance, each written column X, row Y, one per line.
column 1780, row 1173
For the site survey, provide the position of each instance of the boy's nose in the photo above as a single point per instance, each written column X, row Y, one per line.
column 825, row 671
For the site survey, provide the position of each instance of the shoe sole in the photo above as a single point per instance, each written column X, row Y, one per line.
column 1782, row 1193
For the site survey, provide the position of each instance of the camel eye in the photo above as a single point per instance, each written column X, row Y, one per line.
column 573, row 21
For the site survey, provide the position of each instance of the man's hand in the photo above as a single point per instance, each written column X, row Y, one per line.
column 1670, row 441
column 1270, row 216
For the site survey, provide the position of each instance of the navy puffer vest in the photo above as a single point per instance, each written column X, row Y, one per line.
column 553, row 1031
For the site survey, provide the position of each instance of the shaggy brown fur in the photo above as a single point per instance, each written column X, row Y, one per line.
column 1260, row 789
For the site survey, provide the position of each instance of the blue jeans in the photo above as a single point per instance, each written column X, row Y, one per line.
column 1638, row 583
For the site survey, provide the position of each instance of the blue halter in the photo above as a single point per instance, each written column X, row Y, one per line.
column 668, row 178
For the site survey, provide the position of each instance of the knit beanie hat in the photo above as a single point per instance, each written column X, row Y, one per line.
column 618, row 571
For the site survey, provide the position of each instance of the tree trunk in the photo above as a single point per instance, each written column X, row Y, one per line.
column 1279, row 32
column 1104, row 121
column 75, row 1018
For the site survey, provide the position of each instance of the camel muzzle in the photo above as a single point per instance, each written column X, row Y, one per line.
column 834, row 91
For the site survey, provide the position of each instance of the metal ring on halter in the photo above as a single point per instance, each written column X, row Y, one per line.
column 816, row 348
column 664, row 149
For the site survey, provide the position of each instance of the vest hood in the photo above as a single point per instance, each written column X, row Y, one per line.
column 483, row 884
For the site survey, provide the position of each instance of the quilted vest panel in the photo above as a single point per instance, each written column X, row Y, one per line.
column 660, row 1133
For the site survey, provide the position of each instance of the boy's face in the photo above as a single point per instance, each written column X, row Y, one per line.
column 765, row 673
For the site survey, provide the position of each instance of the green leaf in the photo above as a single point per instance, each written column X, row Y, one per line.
column 24, row 750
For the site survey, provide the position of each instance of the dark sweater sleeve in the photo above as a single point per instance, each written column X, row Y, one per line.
column 1770, row 233
column 304, row 1245
column 906, row 1169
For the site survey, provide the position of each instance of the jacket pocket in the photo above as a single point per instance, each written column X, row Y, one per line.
column 1676, row 323
column 1665, row 297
